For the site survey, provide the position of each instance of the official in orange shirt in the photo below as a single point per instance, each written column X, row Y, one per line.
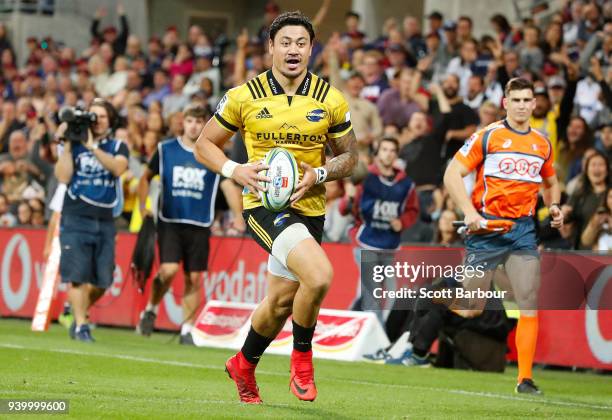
column 511, row 161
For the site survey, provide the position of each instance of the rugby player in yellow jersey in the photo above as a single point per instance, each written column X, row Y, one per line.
column 290, row 107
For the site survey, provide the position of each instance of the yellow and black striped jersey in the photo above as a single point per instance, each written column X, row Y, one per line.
column 268, row 118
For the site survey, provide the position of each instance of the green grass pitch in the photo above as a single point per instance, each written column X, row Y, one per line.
column 126, row 376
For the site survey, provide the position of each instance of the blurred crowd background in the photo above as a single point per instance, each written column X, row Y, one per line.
column 393, row 83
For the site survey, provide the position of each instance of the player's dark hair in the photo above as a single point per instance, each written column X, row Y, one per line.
column 518, row 83
column 295, row 18
column 195, row 111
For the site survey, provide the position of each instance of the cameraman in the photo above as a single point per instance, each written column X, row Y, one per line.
column 87, row 229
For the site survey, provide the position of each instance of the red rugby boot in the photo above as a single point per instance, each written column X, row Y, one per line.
column 302, row 376
column 242, row 372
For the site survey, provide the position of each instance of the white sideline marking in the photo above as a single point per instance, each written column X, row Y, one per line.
column 264, row 372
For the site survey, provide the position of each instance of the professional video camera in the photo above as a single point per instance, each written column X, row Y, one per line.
column 79, row 121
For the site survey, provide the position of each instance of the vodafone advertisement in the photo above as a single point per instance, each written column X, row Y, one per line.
column 237, row 271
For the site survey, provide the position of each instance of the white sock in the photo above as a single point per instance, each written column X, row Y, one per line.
column 186, row 328
column 152, row 308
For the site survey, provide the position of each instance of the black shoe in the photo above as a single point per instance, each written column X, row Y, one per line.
column 527, row 387
column 84, row 334
column 186, row 339
column 72, row 330
column 147, row 321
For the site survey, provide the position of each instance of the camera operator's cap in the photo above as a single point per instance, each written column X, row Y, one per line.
column 435, row 15
column 449, row 25
column 556, row 82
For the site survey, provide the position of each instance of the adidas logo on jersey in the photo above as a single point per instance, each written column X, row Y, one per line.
column 264, row 113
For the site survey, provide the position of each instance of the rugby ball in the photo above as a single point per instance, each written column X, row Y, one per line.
column 283, row 172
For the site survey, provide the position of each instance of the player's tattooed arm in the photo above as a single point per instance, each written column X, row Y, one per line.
column 345, row 156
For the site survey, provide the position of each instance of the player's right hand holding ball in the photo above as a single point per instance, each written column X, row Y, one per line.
column 248, row 175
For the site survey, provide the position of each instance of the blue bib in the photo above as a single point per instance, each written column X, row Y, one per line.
column 189, row 188
column 382, row 201
column 91, row 182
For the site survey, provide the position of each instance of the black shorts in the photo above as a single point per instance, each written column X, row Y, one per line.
column 265, row 225
column 184, row 242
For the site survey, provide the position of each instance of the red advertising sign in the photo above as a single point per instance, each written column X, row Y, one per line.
column 238, row 271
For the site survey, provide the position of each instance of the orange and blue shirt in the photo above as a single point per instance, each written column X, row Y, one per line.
column 510, row 166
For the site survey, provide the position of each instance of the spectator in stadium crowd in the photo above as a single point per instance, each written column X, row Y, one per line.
column 368, row 127
column 397, row 57
column 436, row 19
column 531, row 57
column 590, row 195
column 414, row 37
column 446, row 234
column 352, row 36
column 5, row 43
column 604, row 141
column 598, row 233
column 421, row 147
column 573, row 184
column 464, row 29
column 204, row 69
column 19, row 172
column 450, row 37
column 374, row 76
column 488, row 113
column 578, row 139
column 8, row 124
column 24, row 214
column 572, row 25
column 182, row 63
column 466, row 65
column 462, row 120
column 7, row 219
column 476, row 95
column 160, row 90
column 118, row 41
column 396, row 105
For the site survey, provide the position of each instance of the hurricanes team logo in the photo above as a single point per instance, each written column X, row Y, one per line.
column 316, row 115
column 281, row 219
